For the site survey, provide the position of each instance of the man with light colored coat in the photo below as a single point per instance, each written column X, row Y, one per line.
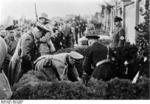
column 59, row 66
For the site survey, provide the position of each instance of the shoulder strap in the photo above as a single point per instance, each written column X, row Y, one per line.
column 65, row 71
column 108, row 52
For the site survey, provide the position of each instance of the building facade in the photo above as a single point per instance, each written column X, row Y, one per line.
column 131, row 12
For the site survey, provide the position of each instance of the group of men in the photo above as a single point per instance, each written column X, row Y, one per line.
column 97, row 53
column 35, row 43
column 36, row 47
column 30, row 46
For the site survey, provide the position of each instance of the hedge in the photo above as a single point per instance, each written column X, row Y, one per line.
column 33, row 85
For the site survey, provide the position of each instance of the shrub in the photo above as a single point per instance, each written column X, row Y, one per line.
column 124, row 89
column 113, row 89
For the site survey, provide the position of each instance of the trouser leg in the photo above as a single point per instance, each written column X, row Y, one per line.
column 75, row 73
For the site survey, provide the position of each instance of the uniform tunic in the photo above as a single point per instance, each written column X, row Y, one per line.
column 46, row 46
column 118, row 38
column 56, row 66
column 21, row 61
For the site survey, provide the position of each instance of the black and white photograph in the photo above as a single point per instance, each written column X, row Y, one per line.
column 74, row 50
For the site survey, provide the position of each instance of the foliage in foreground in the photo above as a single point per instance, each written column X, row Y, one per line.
column 33, row 85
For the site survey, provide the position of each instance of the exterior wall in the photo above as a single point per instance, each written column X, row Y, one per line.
column 132, row 17
column 130, row 22
column 111, row 22
column 129, row 10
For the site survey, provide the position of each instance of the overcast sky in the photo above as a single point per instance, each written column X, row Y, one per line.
column 18, row 8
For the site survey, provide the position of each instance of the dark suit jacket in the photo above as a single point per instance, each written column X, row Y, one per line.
column 94, row 54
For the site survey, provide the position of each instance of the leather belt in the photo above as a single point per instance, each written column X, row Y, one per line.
column 105, row 60
column 102, row 62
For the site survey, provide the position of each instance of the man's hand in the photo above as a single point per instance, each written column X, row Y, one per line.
column 85, row 78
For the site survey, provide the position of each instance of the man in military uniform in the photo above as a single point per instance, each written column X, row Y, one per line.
column 62, row 64
column 26, row 52
column 118, row 38
column 46, row 46
column 11, row 45
column 43, row 19
column 68, row 36
column 76, row 26
column 10, row 39
column 30, row 44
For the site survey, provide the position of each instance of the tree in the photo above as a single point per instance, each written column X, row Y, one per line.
column 143, row 29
